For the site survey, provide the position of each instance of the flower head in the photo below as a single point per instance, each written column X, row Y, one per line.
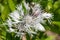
column 28, row 23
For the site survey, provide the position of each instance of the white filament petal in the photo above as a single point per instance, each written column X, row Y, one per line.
column 47, row 15
column 11, row 30
column 15, row 15
column 9, row 22
column 19, row 7
column 26, row 5
column 40, row 27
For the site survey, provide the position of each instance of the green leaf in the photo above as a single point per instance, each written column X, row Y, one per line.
column 5, row 13
column 56, row 5
column 11, row 5
column 50, row 38
column 56, row 23
column 1, row 8
column 58, row 11
column 49, row 5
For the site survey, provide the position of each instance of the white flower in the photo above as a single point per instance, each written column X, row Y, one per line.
column 28, row 23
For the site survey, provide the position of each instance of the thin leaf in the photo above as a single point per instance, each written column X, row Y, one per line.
column 11, row 5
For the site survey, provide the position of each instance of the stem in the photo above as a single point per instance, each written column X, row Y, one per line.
column 24, row 37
